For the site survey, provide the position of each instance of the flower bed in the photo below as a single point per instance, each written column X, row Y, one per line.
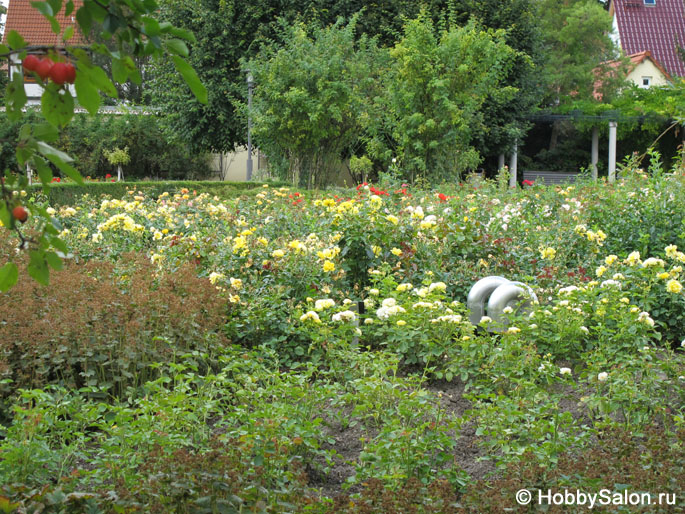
column 320, row 343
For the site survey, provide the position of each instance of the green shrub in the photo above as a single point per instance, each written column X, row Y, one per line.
column 69, row 193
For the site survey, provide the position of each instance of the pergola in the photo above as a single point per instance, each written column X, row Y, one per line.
column 610, row 117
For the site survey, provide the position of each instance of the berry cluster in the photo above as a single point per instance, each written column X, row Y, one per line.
column 59, row 72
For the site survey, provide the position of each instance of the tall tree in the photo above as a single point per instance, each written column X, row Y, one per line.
column 577, row 48
column 311, row 91
column 431, row 111
column 504, row 122
column 578, row 51
column 230, row 30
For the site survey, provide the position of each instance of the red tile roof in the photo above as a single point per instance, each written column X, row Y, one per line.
column 35, row 29
column 659, row 28
column 636, row 59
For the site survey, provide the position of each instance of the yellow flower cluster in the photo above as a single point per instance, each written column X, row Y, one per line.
column 594, row 237
column 548, row 253
column 123, row 221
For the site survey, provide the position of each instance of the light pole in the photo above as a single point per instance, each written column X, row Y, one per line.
column 250, row 87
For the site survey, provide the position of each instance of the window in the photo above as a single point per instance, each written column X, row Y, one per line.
column 650, row 3
column 646, row 82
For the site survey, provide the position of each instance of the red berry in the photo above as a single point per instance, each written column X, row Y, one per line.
column 44, row 68
column 71, row 73
column 59, row 73
column 31, row 62
column 20, row 214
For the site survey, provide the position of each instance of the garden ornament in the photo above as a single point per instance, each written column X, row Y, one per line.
column 499, row 293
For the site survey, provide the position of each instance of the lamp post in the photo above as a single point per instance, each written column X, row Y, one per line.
column 250, row 88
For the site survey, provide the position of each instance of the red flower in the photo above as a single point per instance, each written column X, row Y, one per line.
column 114, row 180
column 56, row 179
column 442, row 197
column 108, row 176
column 527, row 183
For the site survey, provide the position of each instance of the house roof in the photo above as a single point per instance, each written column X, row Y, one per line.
column 636, row 59
column 35, row 29
column 659, row 28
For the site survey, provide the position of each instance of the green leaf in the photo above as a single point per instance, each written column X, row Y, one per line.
column 38, row 267
column 57, row 105
column 15, row 40
column 15, row 97
column 56, row 6
column 5, row 216
column 68, row 33
column 48, row 151
column 4, row 49
column 66, row 168
column 69, row 8
column 44, row 8
column 60, row 245
column 98, row 77
column 45, row 131
column 84, row 19
column 87, row 94
column 191, row 78
column 178, row 47
column 54, row 261
column 183, row 34
column 44, row 172
column 112, row 23
column 151, row 26
column 8, row 276
column 119, row 71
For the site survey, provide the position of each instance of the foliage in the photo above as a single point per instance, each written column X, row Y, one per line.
column 133, row 25
column 118, row 156
column 67, row 193
column 504, row 118
column 121, row 319
column 576, row 36
column 306, row 115
column 344, row 391
column 430, row 112
column 153, row 152
column 620, row 461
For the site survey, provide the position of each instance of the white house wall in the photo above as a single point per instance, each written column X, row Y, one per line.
column 647, row 69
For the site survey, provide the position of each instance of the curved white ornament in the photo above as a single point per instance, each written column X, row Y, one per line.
column 499, row 293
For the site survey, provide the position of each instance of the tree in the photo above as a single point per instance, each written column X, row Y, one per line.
column 505, row 121
column 230, row 30
column 579, row 53
column 136, row 32
column 430, row 113
column 309, row 96
column 578, row 48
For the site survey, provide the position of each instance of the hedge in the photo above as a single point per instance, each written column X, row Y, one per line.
column 69, row 193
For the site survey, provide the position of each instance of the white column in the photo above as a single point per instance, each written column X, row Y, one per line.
column 612, row 151
column 595, row 152
column 500, row 163
column 512, row 166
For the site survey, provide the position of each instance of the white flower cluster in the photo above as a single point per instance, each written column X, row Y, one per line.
column 326, row 303
column 389, row 308
column 451, row 318
column 344, row 316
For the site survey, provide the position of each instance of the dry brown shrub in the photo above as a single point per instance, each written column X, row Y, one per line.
column 104, row 323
